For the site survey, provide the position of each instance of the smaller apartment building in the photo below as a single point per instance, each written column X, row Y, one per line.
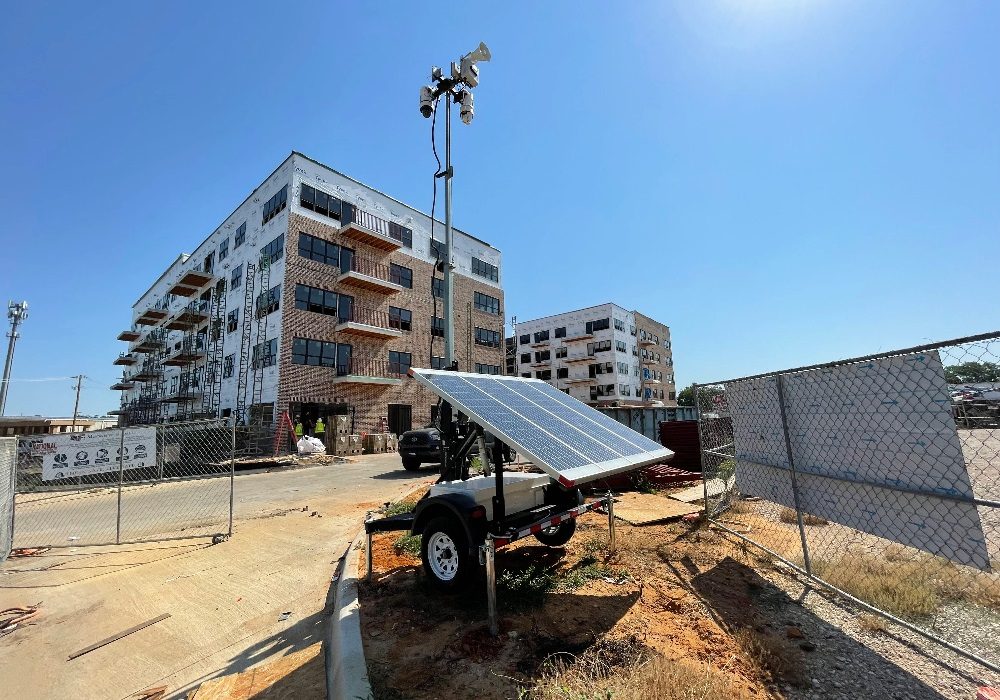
column 600, row 355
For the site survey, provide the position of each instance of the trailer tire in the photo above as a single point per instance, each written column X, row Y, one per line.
column 557, row 535
column 445, row 553
column 411, row 465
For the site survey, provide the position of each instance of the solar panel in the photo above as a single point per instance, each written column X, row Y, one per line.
column 566, row 438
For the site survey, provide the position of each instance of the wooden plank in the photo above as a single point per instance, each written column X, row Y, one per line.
column 118, row 636
column 645, row 508
column 697, row 493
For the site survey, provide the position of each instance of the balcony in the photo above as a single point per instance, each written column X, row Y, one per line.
column 650, row 381
column 580, row 380
column 151, row 317
column 576, row 338
column 578, row 358
column 362, row 370
column 541, row 363
column 146, row 373
column 370, row 323
column 647, row 343
column 129, row 335
column 182, row 395
column 648, row 360
column 541, row 344
column 190, row 282
column 373, row 230
column 125, row 360
column 192, row 315
column 368, row 274
column 185, row 354
column 125, row 384
column 150, row 343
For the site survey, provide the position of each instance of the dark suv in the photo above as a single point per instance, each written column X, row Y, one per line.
column 423, row 446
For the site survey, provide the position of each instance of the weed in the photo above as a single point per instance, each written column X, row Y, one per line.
column 787, row 515
column 641, row 483
column 398, row 508
column 872, row 623
column 517, row 589
column 407, row 544
column 775, row 657
column 741, row 507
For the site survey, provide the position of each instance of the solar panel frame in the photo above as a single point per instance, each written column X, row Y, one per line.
column 565, row 458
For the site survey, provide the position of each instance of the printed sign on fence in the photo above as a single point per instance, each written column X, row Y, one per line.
column 80, row 454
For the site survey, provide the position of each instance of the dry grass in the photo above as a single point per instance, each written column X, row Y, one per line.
column 787, row 515
column 908, row 584
column 872, row 623
column 741, row 507
column 777, row 658
column 657, row 678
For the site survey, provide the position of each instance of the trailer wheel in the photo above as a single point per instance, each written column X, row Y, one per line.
column 557, row 535
column 411, row 465
column 445, row 553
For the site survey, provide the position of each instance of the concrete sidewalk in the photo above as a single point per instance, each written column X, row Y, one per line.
column 224, row 601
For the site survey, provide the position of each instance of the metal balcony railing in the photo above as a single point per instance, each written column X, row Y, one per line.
column 370, row 268
column 371, row 367
column 352, row 215
column 369, row 317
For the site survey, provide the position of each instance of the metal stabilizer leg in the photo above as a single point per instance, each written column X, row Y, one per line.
column 489, row 553
column 611, row 522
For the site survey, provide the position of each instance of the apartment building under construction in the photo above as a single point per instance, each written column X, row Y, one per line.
column 315, row 296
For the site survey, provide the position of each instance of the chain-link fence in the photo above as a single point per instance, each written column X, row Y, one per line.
column 8, row 463
column 173, row 480
column 877, row 477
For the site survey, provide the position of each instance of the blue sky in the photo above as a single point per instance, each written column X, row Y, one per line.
column 781, row 182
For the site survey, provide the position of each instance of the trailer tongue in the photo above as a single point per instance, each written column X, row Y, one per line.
column 462, row 516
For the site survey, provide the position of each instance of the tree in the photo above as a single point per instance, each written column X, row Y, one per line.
column 706, row 394
column 970, row 373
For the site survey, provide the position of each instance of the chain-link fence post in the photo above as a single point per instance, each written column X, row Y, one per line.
column 232, row 476
column 121, row 474
column 791, row 467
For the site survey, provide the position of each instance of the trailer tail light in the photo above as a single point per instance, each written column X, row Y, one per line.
column 478, row 512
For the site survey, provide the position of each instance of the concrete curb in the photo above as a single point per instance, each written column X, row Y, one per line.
column 346, row 669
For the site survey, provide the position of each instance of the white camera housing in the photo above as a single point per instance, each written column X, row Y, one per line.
column 467, row 111
column 426, row 101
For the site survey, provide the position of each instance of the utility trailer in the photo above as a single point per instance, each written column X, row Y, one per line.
column 464, row 518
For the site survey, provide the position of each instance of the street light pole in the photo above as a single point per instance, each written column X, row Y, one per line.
column 16, row 313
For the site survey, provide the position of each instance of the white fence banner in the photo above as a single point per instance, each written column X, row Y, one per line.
column 96, row 452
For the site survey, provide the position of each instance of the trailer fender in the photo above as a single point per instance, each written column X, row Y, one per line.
column 454, row 506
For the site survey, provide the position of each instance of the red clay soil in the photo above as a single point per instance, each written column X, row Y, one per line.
column 670, row 591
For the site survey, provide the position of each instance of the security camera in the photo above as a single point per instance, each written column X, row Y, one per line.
column 426, row 101
column 464, row 98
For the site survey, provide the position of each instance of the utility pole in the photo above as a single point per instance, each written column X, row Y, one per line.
column 16, row 313
column 458, row 86
column 76, row 406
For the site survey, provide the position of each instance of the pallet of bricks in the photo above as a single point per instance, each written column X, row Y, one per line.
column 375, row 442
column 345, row 444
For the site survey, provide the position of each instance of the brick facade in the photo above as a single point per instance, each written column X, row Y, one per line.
column 665, row 364
column 308, row 384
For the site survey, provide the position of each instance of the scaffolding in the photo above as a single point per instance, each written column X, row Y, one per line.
column 212, row 389
column 259, row 352
column 244, row 369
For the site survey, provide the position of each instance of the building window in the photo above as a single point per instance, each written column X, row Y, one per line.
column 561, row 332
column 620, row 346
column 642, row 334
column 325, row 252
column 490, row 339
column 601, row 368
column 623, row 389
column 561, row 352
column 487, row 369
column 543, row 356
column 241, row 235
column 232, row 320
column 524, row 339
column 399, row 362
column 631, row 329
column 321, row 301
column 622, row 368
column 209, row 265
column 275, row 205
column 484, row 302
column 526, row 375
column 666, row 344
column 600, row 346
column 223, row 250
column 265, row 354
column 562, row 373
column 656, row 339
column 437, row 249
column 228, row 364
column 619, row 325
column 173, row 384
column 484, row 269
column 672, row 396
column 318, row 353
column 402, row 276
column 400, row 319
column 437, row 327
column 543, row 374
column 437, row 287
column 236, row 279
column 274, row 250
column 525, row 357
column 599, row 325
column 269, row 301
column 437, row 362
column 541, row 336
column 319, row 201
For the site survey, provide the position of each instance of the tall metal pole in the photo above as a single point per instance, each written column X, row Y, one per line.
column 76, row 406
column 16, row 313
column 449, row 268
